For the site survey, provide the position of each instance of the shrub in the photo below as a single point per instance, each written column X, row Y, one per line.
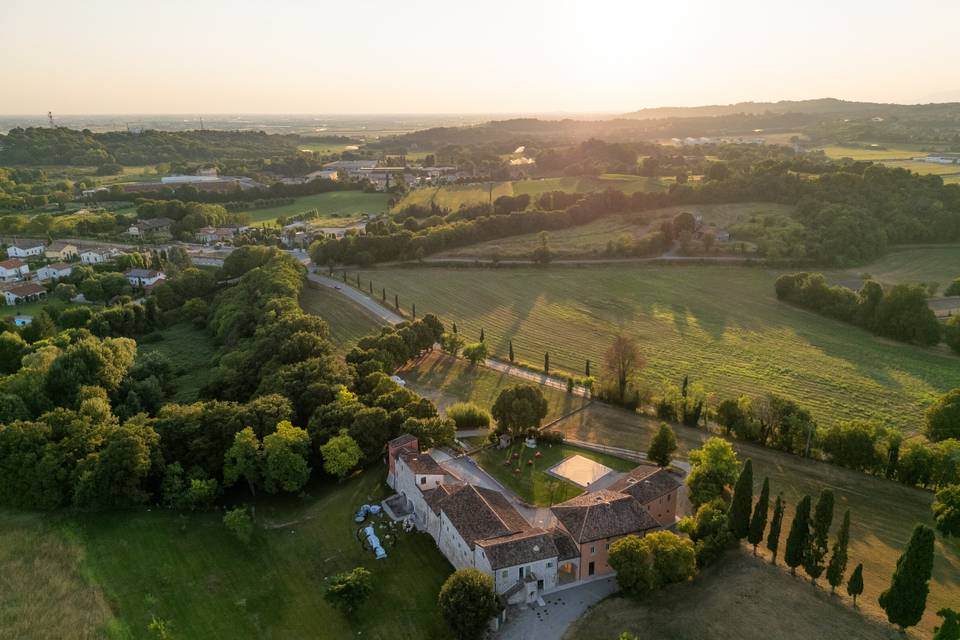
column 468, row 415
column 240, row 524
column 550, row 437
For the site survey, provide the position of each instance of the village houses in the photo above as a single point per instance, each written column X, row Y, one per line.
column 13, row 269
column 26, row 249
column 61, row 251
column 145, row 278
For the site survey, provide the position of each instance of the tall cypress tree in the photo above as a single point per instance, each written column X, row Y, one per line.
column 855, row 584
column 838, row 559
column 799, row 536
column 773, row 538
column 546, row 362
column 906, row 598
column 818, row 544
column 758, row 522
column 587, row 371
column 511, row 351
column 738, row 515
column 454, row 327
column 383, row 296
column 950, row 629
column 481, row 334
column 414, row 309
column 396, row 302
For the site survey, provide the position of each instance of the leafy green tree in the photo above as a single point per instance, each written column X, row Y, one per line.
column 799, row 536
column 708, row 530
column 946, row 510
column 630, row 558
column 12, row 348
column 340, row 455
column 519, row 408
column 244, row 459
column 951, row 333
column 906, row 598
column 738, row 516
column 467, row 415
column 476, row 352
column 855, row 584
column 347, row 591
column 758, row 521
column 285, row 459
column 452, row 343
column 714, row 469
column 950, row 629
column 817, row 544
column 239, row 523
column 943, row 417
column 838, row 559
column 115, row 476
column 467, row 602
column 662, row 446
column 623, row 360
column 648, row 563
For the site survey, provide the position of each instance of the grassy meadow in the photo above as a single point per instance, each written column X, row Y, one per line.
column 739, row 597
column 722, row 326
column 592, row 239
column 347, row 205
column 446, row 380
column 110, row 574
column 453, row 197
column 899, row 152
column 191, row 352
column 912, row 265
column 347, row 320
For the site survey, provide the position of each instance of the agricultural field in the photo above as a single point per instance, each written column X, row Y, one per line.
column 111, row 574
column 593, row 239
column 902, row 152
column 532, row 482
column 883, row 513
column 453, row 197
column 739, row 597
column 347, row 320
column 446, row 380
column 915, row 264
column 722, row 326
column 337, row 207
column 191, row 353
column 926, row 168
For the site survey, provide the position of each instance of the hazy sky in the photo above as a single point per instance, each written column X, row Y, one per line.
column 425, row 56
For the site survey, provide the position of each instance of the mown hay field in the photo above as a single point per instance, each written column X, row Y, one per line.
column 348, row 321
column 721, row 325
column 337, row 207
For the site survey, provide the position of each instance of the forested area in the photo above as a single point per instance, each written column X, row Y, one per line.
column 63, row 146
column 85, row 420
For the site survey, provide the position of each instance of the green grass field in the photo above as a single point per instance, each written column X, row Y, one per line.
column 940, row 264
column 347, row 204
column 191, row 352
column 187, row 570
column 883, row 513
column 592, row 239
column 904, row 152
column 532, row 483
column 347, row 320
column 446, row 380
column 723, row 326
column 739, row 597
column 452, row 197
column 926, row 168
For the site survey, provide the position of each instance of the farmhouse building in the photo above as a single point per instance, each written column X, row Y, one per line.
column 478, row 527
column 13, row 269
column 145, row 278
column 54, row 271
column 152, row 228
column 23, row 292
column 27, row 249
column 61, row 251
column 98, row 255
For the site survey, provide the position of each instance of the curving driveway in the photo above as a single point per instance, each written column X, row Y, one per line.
column 359, row 297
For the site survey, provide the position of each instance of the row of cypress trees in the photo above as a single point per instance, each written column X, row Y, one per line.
column 808, row 546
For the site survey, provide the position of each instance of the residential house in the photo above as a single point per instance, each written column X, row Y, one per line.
column 595, row 520
column 351, row 167
column 323, row 174
column 13, row 269
column 478, row 527
column 98, row 255
column 54, row 271
column 151, row 228
column 211, row 235
column 145, row 278
column 26, row 249
column 23, row 292
column 61, row 251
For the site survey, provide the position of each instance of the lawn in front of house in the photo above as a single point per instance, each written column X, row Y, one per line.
column 519, row 469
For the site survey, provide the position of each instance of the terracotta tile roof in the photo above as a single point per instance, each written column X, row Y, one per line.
column 399, row 441
column 434, row 497
column 567, row 549
column 422, row 463
column 12, row 263
column 59, row 245
column 519, row 548
column 646, row 483
column 27, row 289
column 59, row 266
column 478, row 513
column 603, row 514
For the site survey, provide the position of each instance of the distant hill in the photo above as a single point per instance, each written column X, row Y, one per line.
column 821, row 106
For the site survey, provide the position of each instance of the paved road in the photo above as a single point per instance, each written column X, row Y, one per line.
column 560, row 610
column 467, row 470
column 360, row 298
